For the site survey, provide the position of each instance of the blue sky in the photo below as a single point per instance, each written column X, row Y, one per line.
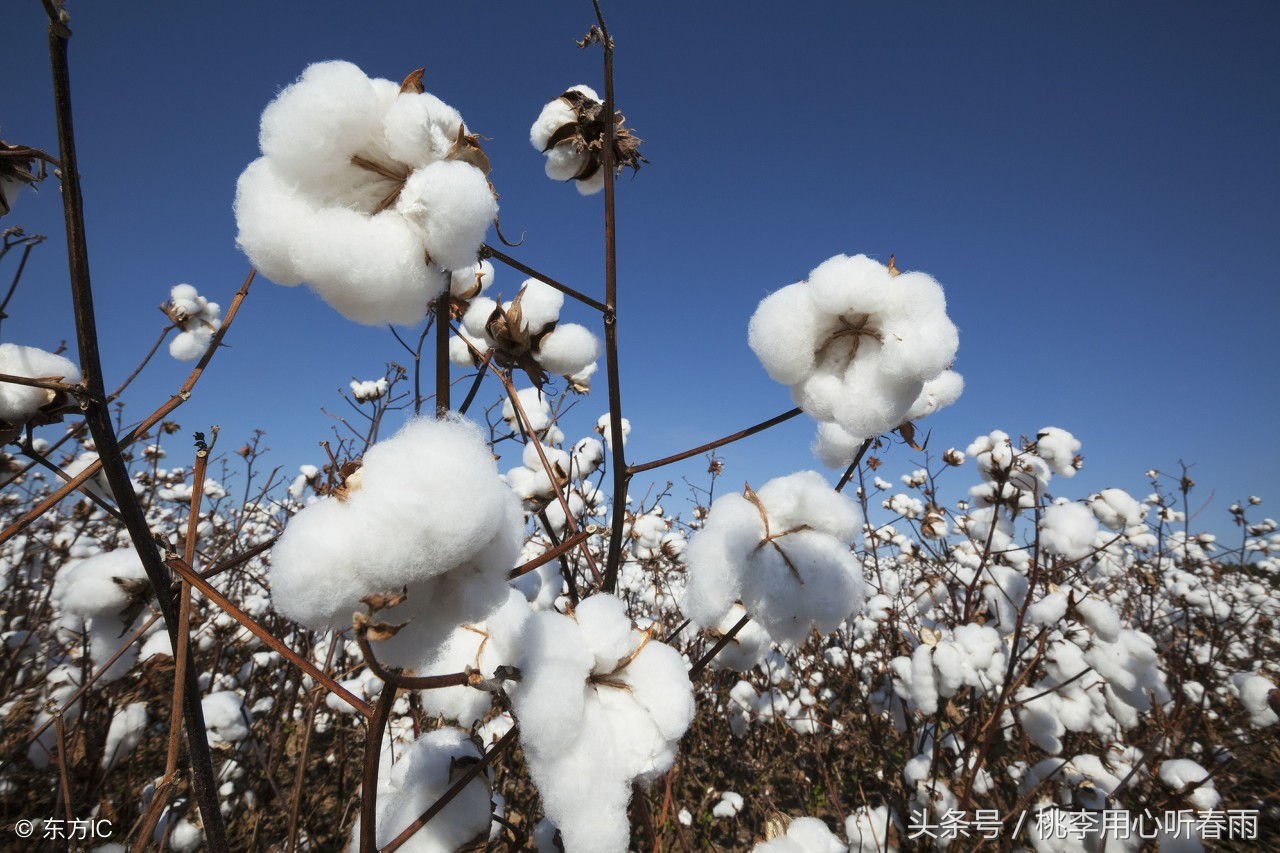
column 1096, row 186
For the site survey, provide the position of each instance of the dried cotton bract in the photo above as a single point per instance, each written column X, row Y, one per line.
column 857, row 344
column 427, row 511
column 783, row 551
column 367, row 191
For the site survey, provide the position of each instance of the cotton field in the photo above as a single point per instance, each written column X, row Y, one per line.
column 476, row 621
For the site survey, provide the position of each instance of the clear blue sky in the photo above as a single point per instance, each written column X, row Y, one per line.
column 1096, row 185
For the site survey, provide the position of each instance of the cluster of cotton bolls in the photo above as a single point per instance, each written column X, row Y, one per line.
column 366, row 190
column 196, row 319
column 398, row 523
column 862, row 348
column 526, row 332
column 20, row 404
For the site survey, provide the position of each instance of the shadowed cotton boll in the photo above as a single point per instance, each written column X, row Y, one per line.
column 427, row 511
column 19, row 403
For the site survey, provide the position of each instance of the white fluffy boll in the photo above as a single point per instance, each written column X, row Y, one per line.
column 427, row 511
column 600, row 705
column 857, row 344
column 359, row 195
column 18, row 403
column 783, row 553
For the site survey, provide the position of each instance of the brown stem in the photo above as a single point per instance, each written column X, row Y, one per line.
column 724, row 640
column 491, row 252
column 719, row 442
column 104, row 436
column 443, row 303
column 377, row 725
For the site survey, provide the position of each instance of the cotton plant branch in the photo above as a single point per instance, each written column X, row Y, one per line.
column 99, row 421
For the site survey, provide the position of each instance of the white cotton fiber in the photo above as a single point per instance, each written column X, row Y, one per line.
column 1068, row 530
column 540, row 305
column 796, row 575
column 356, row 191
column 568, row 349
column 452, row 204
column 430, row 513
column 600, row 705
column 1254, row 690
column 1058, row 448
column 857, row 344
column 19, row 402
column 93, row 592
column 127, row 728
column 422, row 775
column 1116, row 509
column 225, row 717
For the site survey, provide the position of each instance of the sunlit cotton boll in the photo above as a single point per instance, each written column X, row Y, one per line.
column 600, row 705
column 568, row 349
column 783, row 551
column 428, row 512
column 362, row 193
column 1058, row 448
column 1068, row 530
column 857, row 344
column 803, row 835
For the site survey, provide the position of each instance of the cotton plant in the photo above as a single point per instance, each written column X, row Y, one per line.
column 600, row 705
column 396, row 524
column 569, row 131
column 26, row 404
column 857, row 343
column 783, row 552
column 366, row 190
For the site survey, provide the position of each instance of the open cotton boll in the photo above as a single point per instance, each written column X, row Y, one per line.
column 783, row 552
column 428, row 503
column 359, row 187
column 1116, row 509
column 421, row 776
column 568, row 349
column 834, row 446
column 452, row 204
column 18, row 403
column 1099, row 615
column 782, row 330
column 127, row 728
column 1178, row 773
column 803, row 835
column 1253, row 690
column 600, row 705
column 868, row 830
column 1068, row 530
column 190, row 345
column 225, row 717
column 604, row 426
column 100, row 591
column 1059, row 448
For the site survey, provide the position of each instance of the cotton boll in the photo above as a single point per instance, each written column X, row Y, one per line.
column 1116, row 509
column 452, row 204
column 18, row 403
column 730, row 804
column 421, row 776
column 1253, row 690
column 604, row 426
column 225, row 717
column 1068, row 530
column 1180, row 773
column 1058, row 448
column 1100, row 616
column 127, row 728
column 568, row 350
